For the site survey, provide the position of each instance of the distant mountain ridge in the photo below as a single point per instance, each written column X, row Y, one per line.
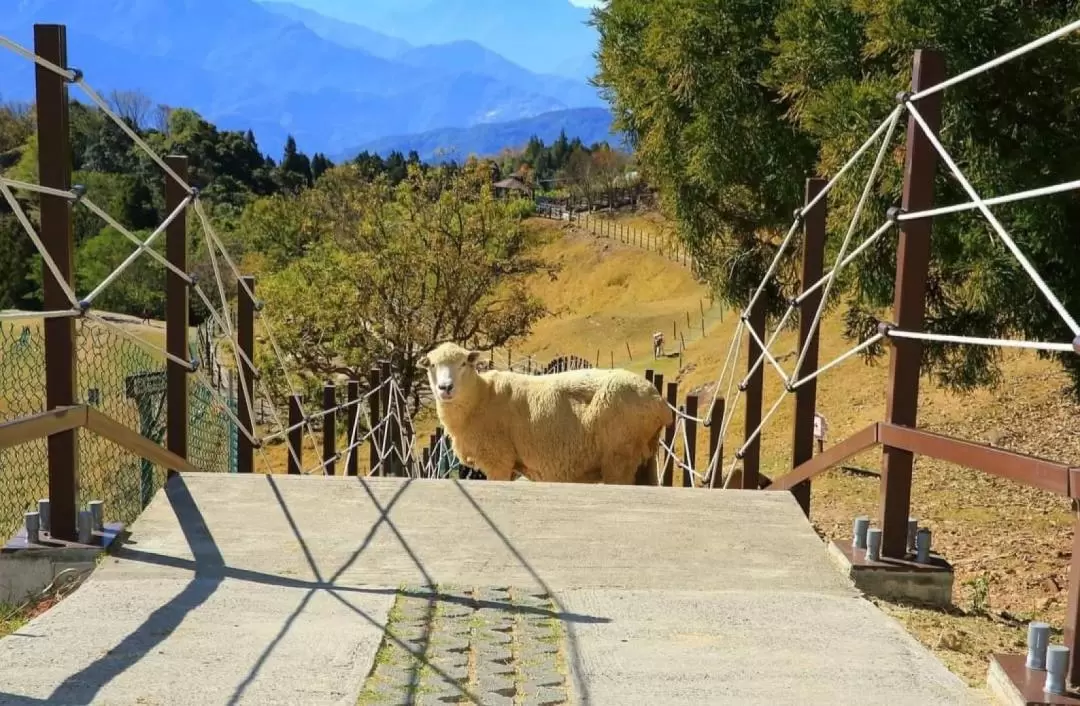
column 279, row 70
column 590, row 125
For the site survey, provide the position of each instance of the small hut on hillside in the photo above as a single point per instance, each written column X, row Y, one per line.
column 511, row 186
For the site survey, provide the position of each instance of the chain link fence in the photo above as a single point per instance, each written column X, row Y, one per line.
column 123, row 381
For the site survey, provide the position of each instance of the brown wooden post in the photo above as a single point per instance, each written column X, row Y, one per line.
column 296, row 436
column 245, row 338
column 176, row 313
column 813, row 257
column 329, row 427
column 751, row 457
column 390, row 447
column 649, row 374
column 54, row 169
column 658, row 382
column 909, row 304
column 667, row 479
column 691, row 439
column 1072, row 608
column 375, row 413
column 716, row 420
column 352, row 468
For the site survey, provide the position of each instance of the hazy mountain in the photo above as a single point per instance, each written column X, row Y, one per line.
column 347, row 34
column 546, row 36
column 589, row 124
column 242, row 65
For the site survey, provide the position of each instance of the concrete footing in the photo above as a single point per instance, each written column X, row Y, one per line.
column 28, row 568
column 895, row 579
column 1013, row 684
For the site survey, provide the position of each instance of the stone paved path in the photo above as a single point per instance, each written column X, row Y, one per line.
column 497, row 646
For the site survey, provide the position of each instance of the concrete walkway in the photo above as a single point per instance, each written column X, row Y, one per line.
column 276, row 590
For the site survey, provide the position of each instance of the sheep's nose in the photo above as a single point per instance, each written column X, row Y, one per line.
column 446, row 386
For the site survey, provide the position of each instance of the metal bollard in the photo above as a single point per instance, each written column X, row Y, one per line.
column 97, row 514
column 1057, row 662
column 873, row 544
column 85, row 523
column 862, row 525
column 1038, row 639
column 922, row 545
column 44, row 516
column 32, row 527
column 912, row 529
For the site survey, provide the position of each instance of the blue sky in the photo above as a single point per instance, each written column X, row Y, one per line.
column 585, row 3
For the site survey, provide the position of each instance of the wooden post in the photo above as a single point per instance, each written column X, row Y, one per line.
column 649, row 374
column 54, row 168
column 752, row 456
column 1072, row 608
column 813, row 257
column 909, row 304
column 245, row 338
column 176, row 314
column 329, row 427
column 667, row 478
column 390, row 445
column 296, row 436
column 716, row 420
column 375, row 412
column 352, row 468
column 658, row 382
column 691, row 439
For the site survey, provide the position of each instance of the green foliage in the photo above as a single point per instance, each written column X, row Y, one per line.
column 681, row 78
column 367, row 270
column 732, row 104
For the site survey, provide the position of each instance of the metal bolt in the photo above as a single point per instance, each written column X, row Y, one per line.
column 44, row 515
column 85, row 523
column 912, row 528
column 1038, row 639
column 922, row 545
column 873, row 544
column 862, row 524
column 32, row 527
column 97, row 513
column 1057, row 661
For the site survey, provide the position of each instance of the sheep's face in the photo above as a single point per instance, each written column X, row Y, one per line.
column 449, row 369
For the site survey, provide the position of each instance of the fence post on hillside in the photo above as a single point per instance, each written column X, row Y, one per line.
column 649, row 374
column 329, row 427
column 353, row 394
column 245, row 338
column 691, row 439
column 176, row 313
column 375, row 416
column 909, row 304
column 667, row 478
column 813, row 257
column 296, row 435
column 716, row 450
column 751, row 457
column 54, row 168
column 390, row 431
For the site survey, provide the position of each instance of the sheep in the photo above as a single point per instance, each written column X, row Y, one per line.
column 581, row 426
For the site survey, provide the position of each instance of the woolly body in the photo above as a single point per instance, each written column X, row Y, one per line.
column 579, row 426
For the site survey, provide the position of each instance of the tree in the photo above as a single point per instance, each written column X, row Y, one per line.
column 133, row 107
column 840, row 63
column 731, row 105
column 393, row 270
column 681, row 77
column 294, row 172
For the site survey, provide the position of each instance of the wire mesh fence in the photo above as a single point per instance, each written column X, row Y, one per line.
column 124, row 382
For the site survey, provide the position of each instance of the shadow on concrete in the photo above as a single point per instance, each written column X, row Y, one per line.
column 209, row 570
column 580, row 686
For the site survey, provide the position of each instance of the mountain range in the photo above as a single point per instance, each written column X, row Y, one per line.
column 281, row 69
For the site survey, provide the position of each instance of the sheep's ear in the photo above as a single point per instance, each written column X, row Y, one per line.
column 423, row 363
column 473, row 357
